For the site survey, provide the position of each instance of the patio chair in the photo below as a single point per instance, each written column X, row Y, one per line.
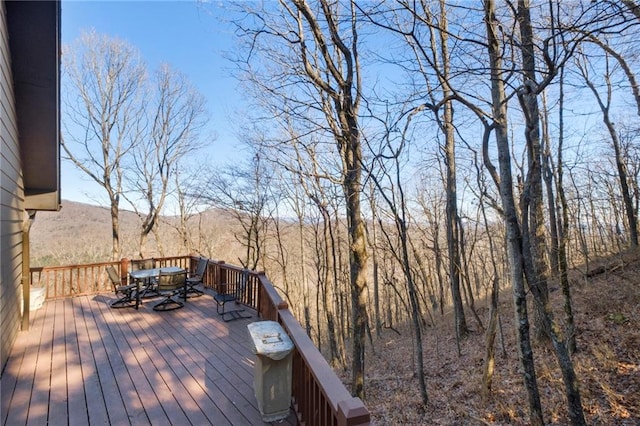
column 170, row 286
column 233, row 297
column 126, row 293
column 196, row 279
column 142, row 264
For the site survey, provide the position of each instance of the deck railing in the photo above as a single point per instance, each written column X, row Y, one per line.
column 318, row 395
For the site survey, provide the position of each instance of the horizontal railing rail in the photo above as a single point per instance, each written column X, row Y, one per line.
column 318, row 395
column 77, row 280
column 72, row 280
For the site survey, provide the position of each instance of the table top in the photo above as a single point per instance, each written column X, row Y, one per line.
column 148, row 273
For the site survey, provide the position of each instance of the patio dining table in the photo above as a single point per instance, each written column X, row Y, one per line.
column 145, row 276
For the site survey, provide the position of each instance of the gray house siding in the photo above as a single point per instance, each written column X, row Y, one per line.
column 11, row 203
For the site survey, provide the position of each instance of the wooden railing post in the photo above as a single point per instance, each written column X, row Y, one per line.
column 352, row 412
column 222, row 276
column 124, row 269
column 193, row 262
column 210, row 274
column 256, row 290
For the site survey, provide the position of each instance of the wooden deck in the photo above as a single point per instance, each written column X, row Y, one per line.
column 84, row 363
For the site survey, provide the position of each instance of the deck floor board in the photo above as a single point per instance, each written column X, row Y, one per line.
column 38, row 409
column 97, row 413
column 25, row 355
column 83, row 363
column 77, row 401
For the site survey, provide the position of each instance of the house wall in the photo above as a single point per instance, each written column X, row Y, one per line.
column 11, row 203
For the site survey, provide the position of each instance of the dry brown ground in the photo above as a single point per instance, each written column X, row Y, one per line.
column 607, row 311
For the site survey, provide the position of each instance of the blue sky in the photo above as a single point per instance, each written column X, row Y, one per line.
column 187, row 34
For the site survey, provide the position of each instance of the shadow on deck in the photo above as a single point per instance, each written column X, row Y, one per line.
column 84, row 363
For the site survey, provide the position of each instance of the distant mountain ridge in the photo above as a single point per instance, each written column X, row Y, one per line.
column 81, row 233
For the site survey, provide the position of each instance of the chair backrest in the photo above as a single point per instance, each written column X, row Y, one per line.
column 202, row 267
column 137, row 265
column 242, row 284
column 115, row 279
column 168, row 281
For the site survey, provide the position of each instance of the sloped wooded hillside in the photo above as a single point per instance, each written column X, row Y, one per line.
column 607, row 312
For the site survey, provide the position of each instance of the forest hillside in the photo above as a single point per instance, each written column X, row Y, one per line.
column 607, row 311
column 606, row 304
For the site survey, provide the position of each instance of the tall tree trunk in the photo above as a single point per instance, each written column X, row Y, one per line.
column 533, row 223
column 415, row 316
column 330, row 266
column 563, row 229
column 466, row 276
column 115, row 228
column 547, row 174
column 536, row 267
column 437, row 253
column 621, row 165
column 357, row 266
column 399, row 211
column 453, row 234
column 373, row 242
column 490, row 334
column 512, row 227
column 339, row 86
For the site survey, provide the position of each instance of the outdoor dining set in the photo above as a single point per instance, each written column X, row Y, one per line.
column 173, row 285
column 169, row 283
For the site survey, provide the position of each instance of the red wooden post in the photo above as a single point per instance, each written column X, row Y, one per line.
column 352, row 412
column 124, row 270
column 222, row 277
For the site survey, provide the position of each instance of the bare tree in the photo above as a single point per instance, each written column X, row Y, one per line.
column 525, row 241
column 244, row 191
column 604, row 102
column 563, row 229
column 426, row 34
column 624, row 64
column 319, row 51
column 389, row 184
column 187, row 203
column 176, row 116
column 533, row 223
column 105, row 77
column 327, row 245
column 437, row 56
column 512, row 225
